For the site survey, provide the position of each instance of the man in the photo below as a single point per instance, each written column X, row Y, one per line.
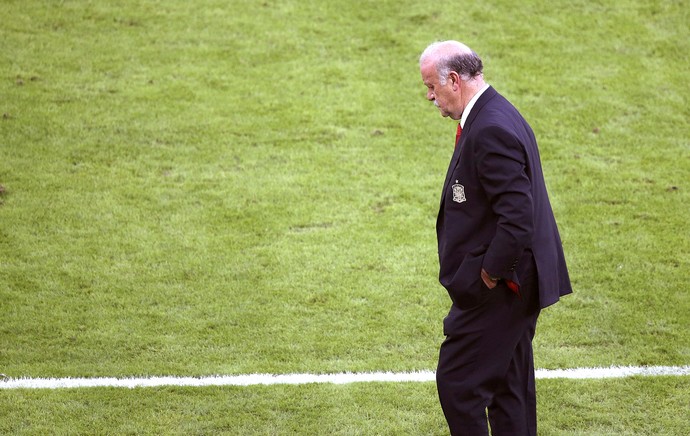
column 500, row 253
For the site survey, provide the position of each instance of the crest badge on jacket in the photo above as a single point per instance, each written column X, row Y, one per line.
column 458, row 193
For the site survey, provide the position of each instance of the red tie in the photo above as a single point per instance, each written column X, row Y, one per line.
column 457, row 134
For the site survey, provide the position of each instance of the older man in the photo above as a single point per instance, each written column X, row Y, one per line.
column 500, row 253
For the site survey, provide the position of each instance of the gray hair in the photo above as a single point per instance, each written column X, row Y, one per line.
column 454, row 56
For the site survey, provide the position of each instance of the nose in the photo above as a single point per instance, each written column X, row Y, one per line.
column 430, row 95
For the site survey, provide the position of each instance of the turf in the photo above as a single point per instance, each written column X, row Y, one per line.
column 195, row 188
column 567, row 407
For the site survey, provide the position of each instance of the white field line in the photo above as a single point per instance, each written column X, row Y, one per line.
column 340, row 378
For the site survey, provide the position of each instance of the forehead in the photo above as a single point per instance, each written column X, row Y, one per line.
column 428, row 70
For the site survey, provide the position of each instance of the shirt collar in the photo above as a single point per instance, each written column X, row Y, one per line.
column 470, row 105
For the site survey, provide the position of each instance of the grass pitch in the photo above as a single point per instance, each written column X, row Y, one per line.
column 195, row 188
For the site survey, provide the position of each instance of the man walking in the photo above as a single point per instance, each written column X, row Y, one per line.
column 500, row 253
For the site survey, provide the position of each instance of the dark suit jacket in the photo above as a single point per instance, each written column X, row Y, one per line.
column 495, row 212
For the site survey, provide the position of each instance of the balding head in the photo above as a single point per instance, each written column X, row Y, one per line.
column 452, row 73
column 450, row 56
column 444, row 49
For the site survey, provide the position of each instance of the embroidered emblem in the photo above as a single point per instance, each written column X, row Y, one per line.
column 458, row 193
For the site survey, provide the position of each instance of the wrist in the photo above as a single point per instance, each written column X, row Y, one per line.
column 488, row 277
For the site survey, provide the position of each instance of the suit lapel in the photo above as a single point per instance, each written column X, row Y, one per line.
column 478, row 105
column 453, row 163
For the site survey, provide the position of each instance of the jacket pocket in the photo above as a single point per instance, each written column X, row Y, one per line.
column 467, row 289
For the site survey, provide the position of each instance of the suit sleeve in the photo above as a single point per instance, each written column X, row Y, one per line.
column 501, row 165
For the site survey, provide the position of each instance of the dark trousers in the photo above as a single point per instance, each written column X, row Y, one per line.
column 486, row 364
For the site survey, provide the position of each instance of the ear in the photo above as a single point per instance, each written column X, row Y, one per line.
column 454, row 80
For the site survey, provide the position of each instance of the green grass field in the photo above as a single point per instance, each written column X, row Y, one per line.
column 233, row 187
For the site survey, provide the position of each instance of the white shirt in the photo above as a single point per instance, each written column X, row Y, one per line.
column 470, row 105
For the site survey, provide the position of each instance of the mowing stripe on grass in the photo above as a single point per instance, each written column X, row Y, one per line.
column 340, row 378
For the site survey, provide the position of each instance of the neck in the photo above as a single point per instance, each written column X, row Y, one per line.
column 471, row 88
